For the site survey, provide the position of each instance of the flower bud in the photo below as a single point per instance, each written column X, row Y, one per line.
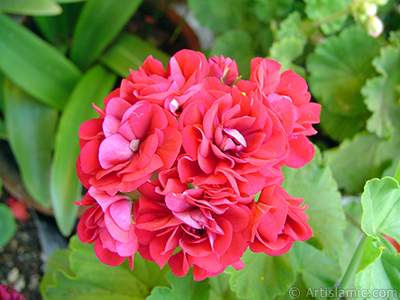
column 375, row 26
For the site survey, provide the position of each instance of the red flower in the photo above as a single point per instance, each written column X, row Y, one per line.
column 278, row 222
column 210, row 226
column 121, row 149
column 224, row 69
column 170, row 89
column 108, row 224
column 9, row 294
column 18, row 209
column 196, row 146
column 288, row 95
column 230, row 138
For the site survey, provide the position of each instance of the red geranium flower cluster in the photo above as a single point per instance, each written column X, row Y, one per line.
column 183, row 165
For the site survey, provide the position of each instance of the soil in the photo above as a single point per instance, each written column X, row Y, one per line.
column 21, row 260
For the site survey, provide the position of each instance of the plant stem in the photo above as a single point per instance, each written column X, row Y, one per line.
column 331, row 18
column 351, row 269
column 397, row 174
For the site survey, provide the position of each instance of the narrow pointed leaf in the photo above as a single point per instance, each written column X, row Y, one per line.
column 58, row 29
column 99, row 23
column 129, row 53
column 31, row 129
column 30, row 7
column 65, row 185
column 34, row 65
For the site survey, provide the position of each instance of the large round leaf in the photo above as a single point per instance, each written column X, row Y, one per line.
column 339, row 68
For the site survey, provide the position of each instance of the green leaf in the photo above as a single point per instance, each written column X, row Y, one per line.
column 3, row 130
column 99, row 23
column 381, row 207
column 219, row 16
column 64, row 185
column 69, row 1
column 287, row 50
column 8, row 226
column 382, row 277
column 340, row 127
column 129, row 53
column 34, row 65
column 370, row 254
column 235, row 44
column 363, row 155
column 182, row 288
column 291, row 27
column 321, row 10
column 289, row 43
column 339, row 68
column 314, row 183
column 91, row 279
column 30, row 7
column 382, row 93
column 58, row 29
column 267, row 10
column 162, row 293
column 316, row 269
column 220, row 289
column 298, row 291
column 30, row 129
column 57, row 262
column 264, row 276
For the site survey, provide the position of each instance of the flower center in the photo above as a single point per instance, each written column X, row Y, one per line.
column 234, row 141
column 194, row 233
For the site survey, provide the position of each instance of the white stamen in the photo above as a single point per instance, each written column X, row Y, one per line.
column 134, row 145
column 174, row 105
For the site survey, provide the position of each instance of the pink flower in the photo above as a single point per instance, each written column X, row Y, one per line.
column 224, row 69
column 278, row 222
column 121, row 149
column 9, row 294
column 230, row 138
column 170, row 89
column 210, row 226
column 108, row 224
column 287, row 93
column 195, row 146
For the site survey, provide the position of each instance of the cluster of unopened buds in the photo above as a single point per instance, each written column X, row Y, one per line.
column 365, row 13
column 183, row 164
